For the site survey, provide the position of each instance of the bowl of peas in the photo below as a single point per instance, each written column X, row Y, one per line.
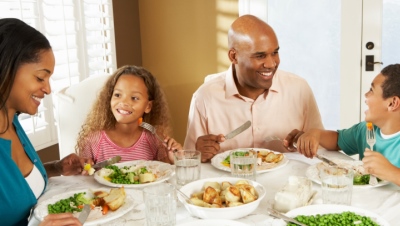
column 331, row 214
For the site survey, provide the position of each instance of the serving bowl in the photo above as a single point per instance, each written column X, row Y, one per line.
column 229, row 213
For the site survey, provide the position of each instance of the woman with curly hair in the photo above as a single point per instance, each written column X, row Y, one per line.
column 130, row 95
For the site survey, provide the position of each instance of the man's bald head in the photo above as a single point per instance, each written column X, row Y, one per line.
column 246, row 28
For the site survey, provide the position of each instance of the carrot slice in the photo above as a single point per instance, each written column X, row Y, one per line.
column 104, row 209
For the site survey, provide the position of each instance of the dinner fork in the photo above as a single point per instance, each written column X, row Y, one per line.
column 370, row 136
column 152, row 130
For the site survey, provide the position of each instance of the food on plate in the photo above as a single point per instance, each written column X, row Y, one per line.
column 295, row 193
column 99, row 200
column 360, row 176
column 89, row 169
column 115, row 198
column 265, row 159
column 136, row 174
column 216, row 195
column 268, row 157
column 344, row 218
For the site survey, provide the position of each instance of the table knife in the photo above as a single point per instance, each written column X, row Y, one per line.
column 320, row 157
column 84, row 214
column 107, row 162
column 238, row 130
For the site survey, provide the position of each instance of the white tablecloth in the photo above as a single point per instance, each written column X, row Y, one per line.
column 384, row 201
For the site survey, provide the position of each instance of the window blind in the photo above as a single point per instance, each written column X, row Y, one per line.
column 81, row 34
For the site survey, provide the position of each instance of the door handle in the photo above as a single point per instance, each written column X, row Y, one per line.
column 372, row 63
column 369, row 63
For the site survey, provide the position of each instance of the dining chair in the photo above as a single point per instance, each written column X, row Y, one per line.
column 73, row 105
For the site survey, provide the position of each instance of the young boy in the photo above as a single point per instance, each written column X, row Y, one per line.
column 383, row 100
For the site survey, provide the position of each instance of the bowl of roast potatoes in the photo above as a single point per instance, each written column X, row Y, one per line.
column 222, row 197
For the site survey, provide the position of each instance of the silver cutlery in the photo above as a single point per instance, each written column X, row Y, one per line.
column 152, row 130
column 84, row 213
column 276, row 214
column 371, row 140
column 238, row 130
column 184, row 196
column 322, row 158
column 107, row 162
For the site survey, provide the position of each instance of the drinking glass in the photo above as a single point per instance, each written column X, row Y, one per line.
column 160, row 202
column 337, row 184
column 187, row 166
column 243, row 163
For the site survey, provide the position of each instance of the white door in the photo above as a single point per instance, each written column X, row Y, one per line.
column 324, row 42
column 380, row 43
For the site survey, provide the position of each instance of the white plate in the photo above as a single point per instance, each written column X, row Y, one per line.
column 165, row 172
column 217, row 159
column 312, row 173
column 213, row 222
column 94, row 217
column 328, row 208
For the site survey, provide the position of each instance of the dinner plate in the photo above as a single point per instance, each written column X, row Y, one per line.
column 331, row 208
column 213, row 222
column 95, row 216
column 216, row 161
column 312, row 173
column 163, row 171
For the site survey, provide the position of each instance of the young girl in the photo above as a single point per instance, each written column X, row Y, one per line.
column 130, row 95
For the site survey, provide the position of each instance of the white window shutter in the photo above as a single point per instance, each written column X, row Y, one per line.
column 81, row 34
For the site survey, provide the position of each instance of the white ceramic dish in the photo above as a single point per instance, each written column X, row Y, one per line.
column 94, row 217
column 328, row 208
column 313, row 174
column 213, row 222
column 216, row 161
column 229, row 213
column 165, row 171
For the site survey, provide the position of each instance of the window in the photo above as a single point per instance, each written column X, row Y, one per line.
column 81, row 33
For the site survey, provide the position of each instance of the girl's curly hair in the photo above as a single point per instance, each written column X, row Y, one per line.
column 101, row 117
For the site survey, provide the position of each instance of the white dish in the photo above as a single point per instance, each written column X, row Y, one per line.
column 229, row 213
column 216, row 161
column 312, row 173
column 328, row 208
column 165, row 172
column 94, row 217
column 213, row 222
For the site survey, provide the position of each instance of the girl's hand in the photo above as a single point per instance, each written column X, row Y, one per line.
column 60, row 219
column 171, row 144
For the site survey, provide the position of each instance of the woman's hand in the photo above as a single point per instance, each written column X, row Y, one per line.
column 69, row 165
column 60, row 219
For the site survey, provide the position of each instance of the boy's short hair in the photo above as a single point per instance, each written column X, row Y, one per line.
column 391, row 85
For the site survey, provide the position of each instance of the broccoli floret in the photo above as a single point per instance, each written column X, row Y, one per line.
column 143, row 170
column 361, row 179
column 82, row 199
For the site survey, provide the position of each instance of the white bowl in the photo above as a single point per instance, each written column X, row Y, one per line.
column 229, row 213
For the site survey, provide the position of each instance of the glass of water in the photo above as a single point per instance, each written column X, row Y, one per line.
column 337, row 185
column 160, row 202
column 187, row 166
column 243, row 163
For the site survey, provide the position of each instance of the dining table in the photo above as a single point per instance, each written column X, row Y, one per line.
column 383, row 200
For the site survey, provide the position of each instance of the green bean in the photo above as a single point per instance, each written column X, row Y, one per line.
column 344, row 218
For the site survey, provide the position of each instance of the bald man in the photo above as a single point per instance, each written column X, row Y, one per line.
column 252, row 89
